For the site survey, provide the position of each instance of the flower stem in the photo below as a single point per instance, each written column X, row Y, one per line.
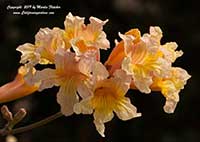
column 31, row 126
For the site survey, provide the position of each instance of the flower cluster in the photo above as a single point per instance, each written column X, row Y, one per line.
column 89, row 87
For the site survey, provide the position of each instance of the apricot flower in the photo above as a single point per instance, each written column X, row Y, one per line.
column 143, row 57
column 171, row 86
column 144, row 60
column 108, row 96
column 43, row 51
column 71, row 74
column 85, row 37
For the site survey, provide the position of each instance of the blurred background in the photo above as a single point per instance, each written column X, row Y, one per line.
column 179, row 20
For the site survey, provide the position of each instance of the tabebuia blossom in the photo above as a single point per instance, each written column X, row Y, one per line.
column 43, row 51
column 83, row 37
column 88, row 86
column 71, row 74
column 147, row 61
column 107, row 96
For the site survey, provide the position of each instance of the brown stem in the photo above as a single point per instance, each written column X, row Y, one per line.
column 4, row 132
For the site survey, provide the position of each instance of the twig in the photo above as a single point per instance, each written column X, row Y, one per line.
column 4, row 132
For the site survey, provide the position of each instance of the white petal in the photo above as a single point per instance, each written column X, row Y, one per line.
column 169, row 52
column 156, row 32
column 143, row 84
column 102, row 41
column 67, row 97
column 96, row 24
column 170, row 106
column 125, row 110
column 100, row 127
column 181, row 74
column 83, row 107
column 84, row 89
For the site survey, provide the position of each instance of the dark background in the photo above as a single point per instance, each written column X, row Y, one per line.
column 180, row 22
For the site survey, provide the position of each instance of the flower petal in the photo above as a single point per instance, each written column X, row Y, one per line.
column 102, row 116
column 169, row 52
column 100, row 127
column 83, row 107
column 47, row 78
column 67, row 96
column 73, row 24
column 99, row 72
column 115, row 58
column 125, row 110
column 171, row 86
column 156, row 33
column 28, row 54
column 123, row 79
column 47, row 41
column 141, row 79
column 65, row 61
column 170, row 106
column 84, row 89
column 17, row 88
column 128, row 43
column 95, row 29
column 86, row 62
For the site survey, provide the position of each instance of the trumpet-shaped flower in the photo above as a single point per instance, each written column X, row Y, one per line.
column 71, row 74
column 43, row 51
column 17, row 88
column 85, row 37
column 108, row 96
column 171, row 86
column 144, row 60
column 117, row 55
column 143, row 57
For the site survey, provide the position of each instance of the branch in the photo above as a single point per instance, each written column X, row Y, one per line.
column 37, row 124
column 6, row 131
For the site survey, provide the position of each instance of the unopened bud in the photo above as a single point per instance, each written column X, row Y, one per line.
column 19, row 116
column 6, row 113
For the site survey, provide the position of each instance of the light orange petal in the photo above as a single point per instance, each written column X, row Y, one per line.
column 99, row 72
column 65, row 61
column 67, row 96
column 115, row 58
column 47, row 41
column 73, row 24
column 47, row 78
column 135, row 33
column 125, row 110
column 16, row 89
column 28, row 54
column 122, row 80
column 84, row 107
